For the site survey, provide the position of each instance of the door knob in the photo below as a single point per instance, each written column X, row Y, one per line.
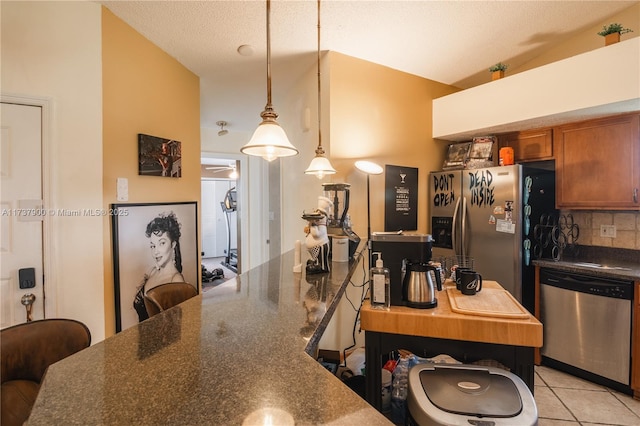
column 27, row 300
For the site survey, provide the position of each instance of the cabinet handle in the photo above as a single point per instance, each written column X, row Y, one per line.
column 635, row 195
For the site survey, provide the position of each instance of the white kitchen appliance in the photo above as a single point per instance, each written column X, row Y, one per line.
column 489, row 215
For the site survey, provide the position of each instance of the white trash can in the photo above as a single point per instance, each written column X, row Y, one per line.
column 461, row 394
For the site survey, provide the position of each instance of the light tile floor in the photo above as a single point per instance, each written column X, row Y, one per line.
column 565, row 400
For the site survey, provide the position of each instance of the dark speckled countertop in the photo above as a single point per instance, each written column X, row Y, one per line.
column 598, row 261
column 240, row 354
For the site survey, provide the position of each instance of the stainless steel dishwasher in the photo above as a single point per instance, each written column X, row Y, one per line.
column 587, row 326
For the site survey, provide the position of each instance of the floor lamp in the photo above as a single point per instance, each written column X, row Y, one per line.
column 370, row 169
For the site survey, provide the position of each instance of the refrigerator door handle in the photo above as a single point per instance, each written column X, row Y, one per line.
column 464, row 225
column 453, row 227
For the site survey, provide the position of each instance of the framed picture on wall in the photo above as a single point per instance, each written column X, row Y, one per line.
column 153, row 244
column 401, row 198
column 159, row 156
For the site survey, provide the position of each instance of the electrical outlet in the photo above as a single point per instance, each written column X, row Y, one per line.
column 608, row 231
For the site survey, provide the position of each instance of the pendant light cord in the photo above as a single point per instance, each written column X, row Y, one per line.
column 269, row 113
column 268, row 52
column 319, row 150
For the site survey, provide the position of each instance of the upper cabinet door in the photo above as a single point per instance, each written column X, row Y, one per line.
column 531, row 145
column 598, row 164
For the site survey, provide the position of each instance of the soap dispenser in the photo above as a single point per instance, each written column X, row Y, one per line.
column 380, row 283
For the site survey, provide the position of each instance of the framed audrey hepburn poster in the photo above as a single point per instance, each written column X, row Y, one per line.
column 153, row 244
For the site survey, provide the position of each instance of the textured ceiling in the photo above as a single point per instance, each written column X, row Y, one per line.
column 452, row 42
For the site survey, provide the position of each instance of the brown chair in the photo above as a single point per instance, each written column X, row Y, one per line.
column 165, row 296
column 27, row 350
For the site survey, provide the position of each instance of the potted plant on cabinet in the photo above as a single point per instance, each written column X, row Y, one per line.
column 497, row 70
column 612, row 32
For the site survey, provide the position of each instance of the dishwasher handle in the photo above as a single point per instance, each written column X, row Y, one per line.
column 599, row 286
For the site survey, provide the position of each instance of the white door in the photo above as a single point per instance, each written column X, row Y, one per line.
column 21, row 211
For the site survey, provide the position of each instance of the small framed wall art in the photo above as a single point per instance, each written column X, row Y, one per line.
column 159, row 156
column 401, row 198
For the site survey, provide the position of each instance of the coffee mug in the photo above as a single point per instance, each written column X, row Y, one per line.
column 470, row 282
column 459, row 271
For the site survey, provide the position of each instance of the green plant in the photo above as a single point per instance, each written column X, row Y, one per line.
column 498, row 67
column 614, row 28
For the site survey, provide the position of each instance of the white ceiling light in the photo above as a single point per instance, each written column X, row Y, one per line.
column 222, row 131
column 320, row 165
column 269, row 141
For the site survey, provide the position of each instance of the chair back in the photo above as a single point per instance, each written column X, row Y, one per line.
column 165, row 296
column 28, row 349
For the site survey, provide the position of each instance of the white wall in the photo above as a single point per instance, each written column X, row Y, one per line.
column 52, row 50
column 299, row 191
column 253, row 214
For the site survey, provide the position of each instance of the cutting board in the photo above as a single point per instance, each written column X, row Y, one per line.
column 489, row 302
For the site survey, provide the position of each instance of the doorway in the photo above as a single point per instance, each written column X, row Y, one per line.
column 221, row 221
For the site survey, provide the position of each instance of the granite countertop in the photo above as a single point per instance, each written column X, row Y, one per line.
column 241, row 353
column 598, row 261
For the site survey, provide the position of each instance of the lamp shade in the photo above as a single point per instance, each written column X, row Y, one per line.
column 320, row 166
column 269, row 141
column 369, row 167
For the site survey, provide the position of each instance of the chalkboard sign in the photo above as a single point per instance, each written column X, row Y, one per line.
column 401, row 198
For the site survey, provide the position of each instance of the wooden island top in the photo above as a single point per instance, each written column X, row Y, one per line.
column 499, row 329
column 443, row 322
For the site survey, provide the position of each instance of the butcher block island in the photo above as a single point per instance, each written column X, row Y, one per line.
column 489, row 325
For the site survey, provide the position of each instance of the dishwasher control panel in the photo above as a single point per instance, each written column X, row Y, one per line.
column 590, row 284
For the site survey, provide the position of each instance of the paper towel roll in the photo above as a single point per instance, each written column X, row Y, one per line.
column 340, row 249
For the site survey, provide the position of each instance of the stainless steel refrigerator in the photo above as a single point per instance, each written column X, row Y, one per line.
column 489, row 215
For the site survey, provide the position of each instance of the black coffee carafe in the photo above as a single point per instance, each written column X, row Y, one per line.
column 418, row 288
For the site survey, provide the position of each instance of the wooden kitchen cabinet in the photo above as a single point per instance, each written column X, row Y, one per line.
column 531, row 145
column 598, row 163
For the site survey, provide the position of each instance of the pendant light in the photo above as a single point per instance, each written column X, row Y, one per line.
column 320, row 165
column 269, row 141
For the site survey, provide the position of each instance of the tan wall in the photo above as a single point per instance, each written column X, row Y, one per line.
column 627, row 223
column 144, row 91
column 587, row 40
column 383, row 115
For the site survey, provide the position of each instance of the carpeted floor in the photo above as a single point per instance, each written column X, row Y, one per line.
column 211, row 264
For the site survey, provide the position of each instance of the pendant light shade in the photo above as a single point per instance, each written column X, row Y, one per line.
column 320, row 165
column 269, row 141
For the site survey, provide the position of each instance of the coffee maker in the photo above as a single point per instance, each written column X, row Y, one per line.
column 338, row 221
column 396, row 249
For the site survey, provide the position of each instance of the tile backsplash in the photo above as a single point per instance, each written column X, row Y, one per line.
column 627, row 226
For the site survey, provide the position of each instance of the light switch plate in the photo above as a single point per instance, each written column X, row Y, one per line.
column 122, row 189
column 608, row 231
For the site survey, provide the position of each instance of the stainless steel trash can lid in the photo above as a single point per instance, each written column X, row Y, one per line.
column 476, row 392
